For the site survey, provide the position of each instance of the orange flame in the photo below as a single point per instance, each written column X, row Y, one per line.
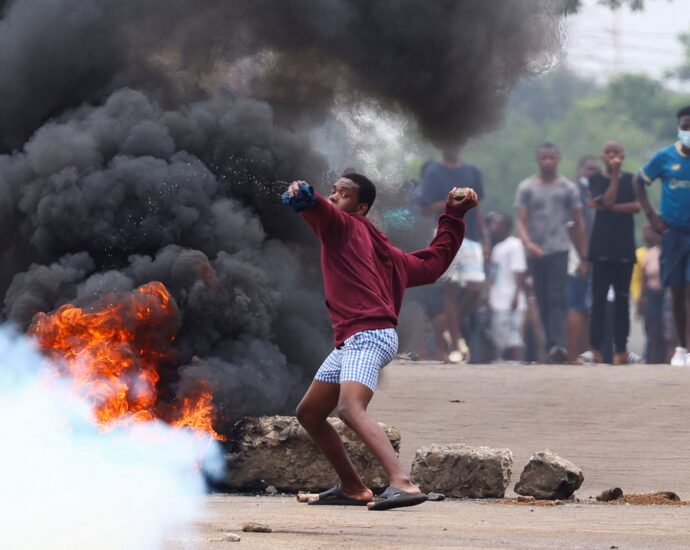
column 112, row 356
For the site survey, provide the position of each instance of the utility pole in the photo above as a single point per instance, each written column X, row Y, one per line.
column 616, row 35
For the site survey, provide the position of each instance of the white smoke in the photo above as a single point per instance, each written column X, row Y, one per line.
column 66, row 485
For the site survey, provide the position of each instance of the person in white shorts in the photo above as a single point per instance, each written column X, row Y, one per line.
column 465, row 277
column 507, row 293
column 464, row 280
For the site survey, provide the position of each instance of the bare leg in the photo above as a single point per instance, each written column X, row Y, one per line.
column 680, row 297
column 578, row 334
column 471, row 297
column 472, row 294
column 513, row 354
column 352, row 409
column 319, row 401
column 439, row 325
column 584, row 332
column 533, row 318
column 451, row 302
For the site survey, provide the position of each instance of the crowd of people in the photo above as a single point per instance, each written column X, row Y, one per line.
column 555, row 280
column 575, row 242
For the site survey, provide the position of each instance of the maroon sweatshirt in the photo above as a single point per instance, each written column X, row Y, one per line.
column 364, row 275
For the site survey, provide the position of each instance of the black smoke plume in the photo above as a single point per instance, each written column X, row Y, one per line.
column 149, row 140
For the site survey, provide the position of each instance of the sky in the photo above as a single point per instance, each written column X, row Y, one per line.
column 601, row 43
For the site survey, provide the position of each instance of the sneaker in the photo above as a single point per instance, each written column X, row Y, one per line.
column 679, row 357
column 558, row 355
column 626, row 358
column 589, row 357
column 455, row 357
column 464, row 349
column 635, row 359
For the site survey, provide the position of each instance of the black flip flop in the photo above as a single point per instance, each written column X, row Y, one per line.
column 393, row 497
column 335, row 497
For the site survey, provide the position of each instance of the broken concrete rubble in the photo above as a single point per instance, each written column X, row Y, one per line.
column 276, row 450
column 459, row 470
column 549, row 476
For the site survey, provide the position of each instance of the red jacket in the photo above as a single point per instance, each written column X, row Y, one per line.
column 364, row 275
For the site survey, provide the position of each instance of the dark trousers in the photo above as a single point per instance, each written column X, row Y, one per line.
column 606, row 273
column 550, row 277
column 654, row 326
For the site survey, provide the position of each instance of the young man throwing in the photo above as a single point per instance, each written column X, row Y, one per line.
column 672, row 166
column 365, row 278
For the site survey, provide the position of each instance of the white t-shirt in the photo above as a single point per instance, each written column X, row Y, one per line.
column 507, row 259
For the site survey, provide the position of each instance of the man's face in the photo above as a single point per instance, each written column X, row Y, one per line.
column 498, row 227
column 588, row 168
column 612, row 150
column 548, row 159
column 684, row 123
column 345, row 196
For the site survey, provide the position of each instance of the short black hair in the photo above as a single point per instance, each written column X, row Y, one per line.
column 506, row 218
column 549, row 145
column 685, row 111
column 367, row 190
column 585, row 159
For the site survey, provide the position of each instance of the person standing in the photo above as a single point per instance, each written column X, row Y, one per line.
column 651, row 296
column 672, row 166
column 577, row 322
column 507, row 293
column 612, row 252
column 547, row 203
column 465, row 276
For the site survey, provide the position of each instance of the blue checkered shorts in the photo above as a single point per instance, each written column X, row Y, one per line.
column 360, row 358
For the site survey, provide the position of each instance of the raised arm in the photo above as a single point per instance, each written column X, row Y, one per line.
column 427, row 265
column 608, row 199
column 327, row 221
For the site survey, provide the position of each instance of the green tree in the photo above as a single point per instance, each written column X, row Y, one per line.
column 644, row 101
column 579, row 116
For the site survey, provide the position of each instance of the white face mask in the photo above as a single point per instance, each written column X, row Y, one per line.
column 684, row 137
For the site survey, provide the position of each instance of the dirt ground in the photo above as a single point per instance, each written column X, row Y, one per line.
column 624, row 426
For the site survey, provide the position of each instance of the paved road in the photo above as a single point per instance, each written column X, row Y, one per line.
column 624, row 426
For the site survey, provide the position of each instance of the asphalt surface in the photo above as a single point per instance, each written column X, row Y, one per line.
column 624, row 426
